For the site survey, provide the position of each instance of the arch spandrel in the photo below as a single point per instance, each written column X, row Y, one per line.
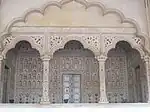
column 110, row 42
column 89, row 42
column 11, row 41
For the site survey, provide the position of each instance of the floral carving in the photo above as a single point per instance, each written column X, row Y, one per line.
column 137, row 40
column 55, row 40
column 108, row 40
column 116, row 77
column 8, row 40
column 28, row 83
column 92, row 41
column 85, row 66
column 38, row 40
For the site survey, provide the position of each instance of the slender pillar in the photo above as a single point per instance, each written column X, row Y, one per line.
column 45, row 94
column 1, row 83
column 103, row 96
column 147, row 65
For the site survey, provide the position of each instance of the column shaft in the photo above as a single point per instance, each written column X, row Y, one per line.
column 45, row 95
column 1, row 83
column 146, row 59
column 103, row 95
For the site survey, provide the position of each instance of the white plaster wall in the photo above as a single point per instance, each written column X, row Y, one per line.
column 133, row 9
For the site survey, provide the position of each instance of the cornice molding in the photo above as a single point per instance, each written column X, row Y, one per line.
column 73, row 30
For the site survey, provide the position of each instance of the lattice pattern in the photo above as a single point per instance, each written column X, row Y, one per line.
column 28, row 76
column 93, row 41
column 116, row 78
column 137, row 82
column 24, row 96
column 55, row 40
column 108, row 40
column 38, row 40
column 8, row 40
column 87, row 67
column 137, row 40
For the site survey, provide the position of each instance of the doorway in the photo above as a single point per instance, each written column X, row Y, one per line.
column 71, row 88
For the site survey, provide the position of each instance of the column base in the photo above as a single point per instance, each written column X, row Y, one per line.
column 45, row 101
column 1, row 91
column 103, row 101
column 148, row 101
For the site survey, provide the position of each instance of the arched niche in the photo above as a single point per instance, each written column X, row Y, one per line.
column 125, row 75
column 22, row 75
column 80, row 13
column 77, row 65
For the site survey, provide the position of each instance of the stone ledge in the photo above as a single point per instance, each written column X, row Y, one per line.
column 72, row 30
column 112, row 105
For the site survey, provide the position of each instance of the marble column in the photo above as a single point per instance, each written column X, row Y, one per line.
column 1, row 83
column 147, row 65
column 103, row 96
column 45, row 94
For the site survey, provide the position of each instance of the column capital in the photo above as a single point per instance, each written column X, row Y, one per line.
column 101, row 58
column 1, row 57
column 46, row 57
column 45, row 93
column 146, row 58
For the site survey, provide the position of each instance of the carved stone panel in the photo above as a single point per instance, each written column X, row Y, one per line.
column 28, row 77
column 8, row 40
column 116, row 77
column 74, row 62
column 91, row 42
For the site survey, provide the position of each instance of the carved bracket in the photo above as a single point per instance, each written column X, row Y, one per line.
column 110, row 41
column 90, row 42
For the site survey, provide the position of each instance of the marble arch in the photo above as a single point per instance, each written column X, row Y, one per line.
column 133, row 44
column 17, row 40
column 130, row 60
column 82, row 39
column 87, row 5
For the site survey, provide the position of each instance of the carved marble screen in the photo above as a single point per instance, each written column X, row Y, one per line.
column 28, row 77
column 137, row 81
column 74, row 61
column 116, row 76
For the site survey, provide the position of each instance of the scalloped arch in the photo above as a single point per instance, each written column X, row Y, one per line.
column 87, row 5
column 67, row 39
column 140, row 50
column 17, row 40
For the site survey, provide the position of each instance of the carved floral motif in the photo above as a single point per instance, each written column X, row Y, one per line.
column 8, row 40
column 116, row 78
column 38, row 40
column 29, row 76
column 85, row 66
